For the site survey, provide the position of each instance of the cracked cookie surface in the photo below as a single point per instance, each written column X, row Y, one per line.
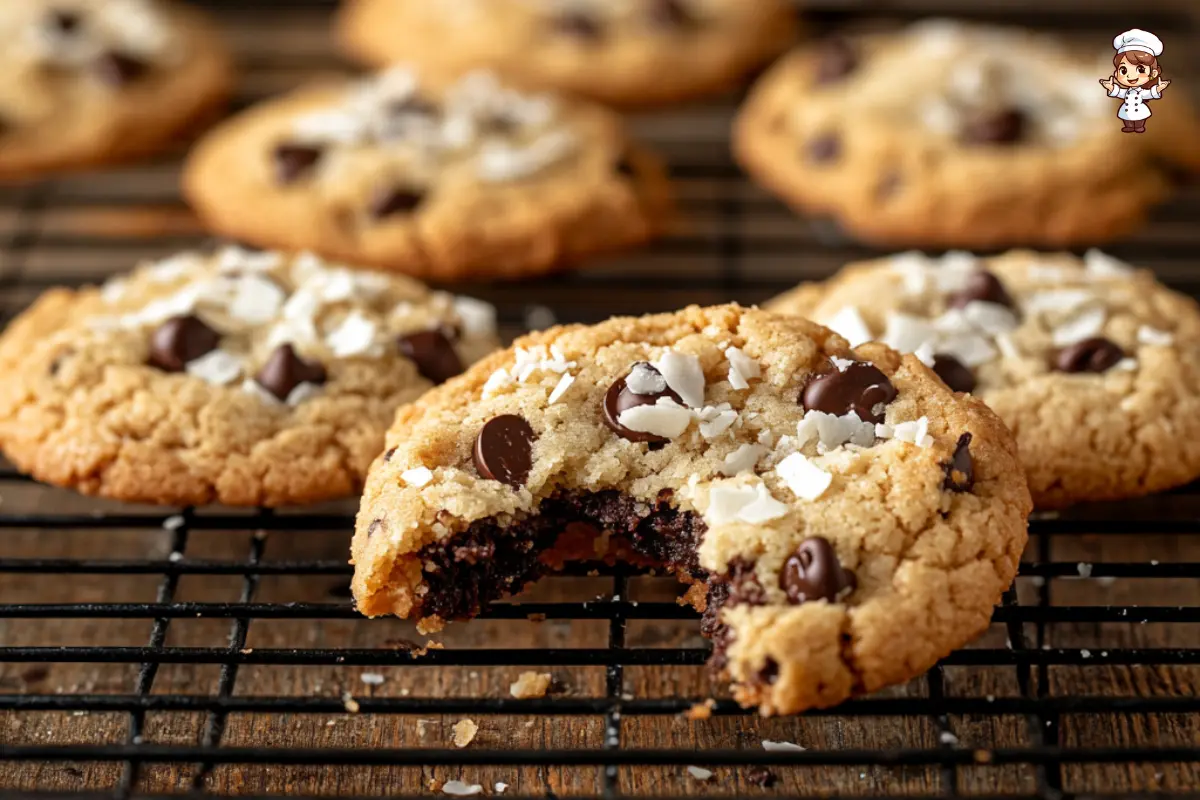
column 1094, row 365
column 945, row 134
column 842, row 518
column 461, row 180
column 90, row 82
column 239, row 377
column 623, row 53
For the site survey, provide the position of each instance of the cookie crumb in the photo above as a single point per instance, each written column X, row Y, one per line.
column 349, row 703
column 501, row 787
column 371, row 678
column 700, row 773
column 464, row 732
column 782, row 747
column 461, row 789
column 701, row 711
column 761, row 777
column 530, row 685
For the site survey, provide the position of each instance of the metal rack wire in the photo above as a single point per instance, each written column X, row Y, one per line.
column 1086, row 685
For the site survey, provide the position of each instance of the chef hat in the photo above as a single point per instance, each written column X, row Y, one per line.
column 1138, row 39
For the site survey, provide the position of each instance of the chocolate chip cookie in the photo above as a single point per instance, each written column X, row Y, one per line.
column 473, row 179
column 950, row 135
column 1094, row 365
column 239, row 377
column 88, row 82
column 843, row 519
column 624, row 53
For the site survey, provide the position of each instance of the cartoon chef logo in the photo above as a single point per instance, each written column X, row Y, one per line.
column 1136, row 77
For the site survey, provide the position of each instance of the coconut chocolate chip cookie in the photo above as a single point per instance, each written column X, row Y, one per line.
column 842, row 518
column 89, row 82
column 468, row 180
column 1093, row 365
column 624, row 53
column 951, row 135
column 245, row 378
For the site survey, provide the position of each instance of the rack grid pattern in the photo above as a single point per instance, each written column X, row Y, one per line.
column 147, row 652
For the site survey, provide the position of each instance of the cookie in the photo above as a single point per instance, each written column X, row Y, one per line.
column 944, row 135
column 468, row 180
column 244, row 378
column 92, row 82
column 630, row 53
column 1094, row 365
column 842, row 518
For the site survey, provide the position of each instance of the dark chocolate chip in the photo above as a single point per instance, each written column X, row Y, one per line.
column 836, row 59
column 671, row 14
column 1006, row 126
column 620, row 398
column 285, row 370
column 861, row 388
column 63, row 22
column 504, row 450
column 624, row 166
column 180, row 340
column 825, row 147
column 761, row 777
column 984, row 287
column 292, row 161
column 813, row 572
column 1096, row 354
column 374, row 527
column 578, row 24
column 954, row 373
column 433, row 354
column 395, row 200
column 388, row 455
column 117, row 69
column 960, row 471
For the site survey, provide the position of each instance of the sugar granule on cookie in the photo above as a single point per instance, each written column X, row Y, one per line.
column 803, row 562
column 448, row 179
column 247, row 378
column 1092, row 363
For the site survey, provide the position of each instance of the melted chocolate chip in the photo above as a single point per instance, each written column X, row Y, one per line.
column 375, row 526
column 117, row 69
column 395, row 200
column 292, row 161
column 1006, row 126
column 825, row 147
column 768, row 673
column 954, row 373
column 285, row 370
column 984, row 287
column 624, row 166
column 180, row 340
column 836, row 60
column 504, row 450
column 433, row 354
column 670, row 14
column 578, row 24
column 814, row 573
column 861, row 388
column 960, row 471
column 388, row 455
column 620, row 398
column 1096, row 354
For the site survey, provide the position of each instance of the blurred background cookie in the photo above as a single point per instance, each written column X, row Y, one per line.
column 469, row 179
column 952, row 135
column 621, row 52
column 90, row 82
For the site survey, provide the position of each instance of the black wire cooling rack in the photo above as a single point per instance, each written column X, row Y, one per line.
column 210, row 651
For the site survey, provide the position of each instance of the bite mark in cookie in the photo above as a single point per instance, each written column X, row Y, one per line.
column 681, row 446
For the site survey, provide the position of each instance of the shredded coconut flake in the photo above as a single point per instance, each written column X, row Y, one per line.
column 355, row 336
column 831, row 432
column 850, row 325
column 644, row 380
column 1154, row 337
column 665, row 418
column 753, row 504
column 700, row 773
column 561, row 387
column 478, row 318
column 256, row 300
column 715, row 420
column 371, row 678
column 218, row 367
column 683, row 374
column 417, row 476
column 1102, row 266
column 742, row 368
column 914, row 431
column 1085, row 325
column 781, row 747
column 806, row 480
column 743, row 459
column 460, row 789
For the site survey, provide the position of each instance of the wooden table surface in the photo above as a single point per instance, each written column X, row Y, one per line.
column 733, row 243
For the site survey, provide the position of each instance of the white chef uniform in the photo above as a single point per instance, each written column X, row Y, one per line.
column 1134, row 108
